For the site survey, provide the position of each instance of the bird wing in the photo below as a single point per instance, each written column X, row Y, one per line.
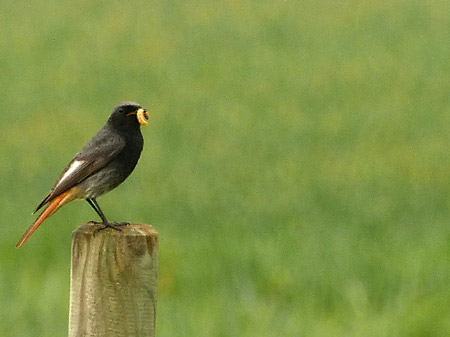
column 95, row 155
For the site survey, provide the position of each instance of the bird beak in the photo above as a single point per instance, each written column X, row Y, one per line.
column 141, row 115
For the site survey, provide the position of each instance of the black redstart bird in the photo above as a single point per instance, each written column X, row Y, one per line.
column 101, row 165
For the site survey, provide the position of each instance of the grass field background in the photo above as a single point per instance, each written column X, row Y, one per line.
column 296, row 163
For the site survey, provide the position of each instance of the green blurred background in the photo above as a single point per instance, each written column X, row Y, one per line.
column 295, row 167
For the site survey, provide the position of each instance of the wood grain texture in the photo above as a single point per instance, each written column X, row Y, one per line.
column 113, row 282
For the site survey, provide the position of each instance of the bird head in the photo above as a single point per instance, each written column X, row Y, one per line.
column 128, row 115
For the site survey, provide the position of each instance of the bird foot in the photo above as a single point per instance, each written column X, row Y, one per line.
column 114, row 225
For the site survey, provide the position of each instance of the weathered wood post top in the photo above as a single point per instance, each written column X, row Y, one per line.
column 113, row 281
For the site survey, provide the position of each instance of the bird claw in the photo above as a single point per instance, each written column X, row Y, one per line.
column 113, row 225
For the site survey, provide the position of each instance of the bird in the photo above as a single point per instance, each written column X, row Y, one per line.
column 100, row 166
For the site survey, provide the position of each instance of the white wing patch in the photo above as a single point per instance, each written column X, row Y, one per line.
column 76, row 164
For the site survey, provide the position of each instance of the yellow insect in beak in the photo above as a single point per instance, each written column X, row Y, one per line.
column 142, row 116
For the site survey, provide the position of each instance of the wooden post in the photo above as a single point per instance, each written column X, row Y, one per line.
column 113, row 282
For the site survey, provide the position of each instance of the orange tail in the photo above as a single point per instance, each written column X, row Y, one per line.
column 51, row 208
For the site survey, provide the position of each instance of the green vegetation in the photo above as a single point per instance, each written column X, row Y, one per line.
column 296, row 163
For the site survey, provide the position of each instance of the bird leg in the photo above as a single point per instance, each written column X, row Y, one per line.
column 106, row 224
